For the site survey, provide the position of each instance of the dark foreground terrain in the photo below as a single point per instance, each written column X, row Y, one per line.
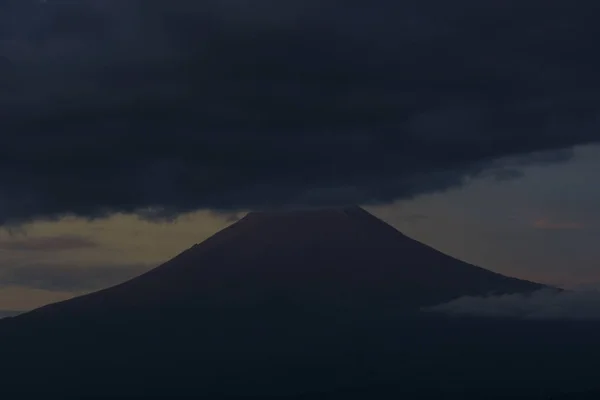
column 316, row 356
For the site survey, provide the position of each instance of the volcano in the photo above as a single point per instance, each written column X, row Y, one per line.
column 287, row 304
column 341, row 260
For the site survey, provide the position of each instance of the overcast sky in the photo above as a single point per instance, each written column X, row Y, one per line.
column 471, row 126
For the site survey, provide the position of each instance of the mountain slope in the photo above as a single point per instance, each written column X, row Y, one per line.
column 341, row 259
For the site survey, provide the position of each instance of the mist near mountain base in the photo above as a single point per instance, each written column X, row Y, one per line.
column 545, row 304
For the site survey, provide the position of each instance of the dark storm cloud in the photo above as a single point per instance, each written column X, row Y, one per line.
column 47, row 244
column 61, row 278
column 229, row 104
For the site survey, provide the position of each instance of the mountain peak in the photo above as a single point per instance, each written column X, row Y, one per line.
column 331, row 227
column 303, row 212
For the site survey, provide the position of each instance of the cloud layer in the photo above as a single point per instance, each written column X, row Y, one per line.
column 547, row 304
column 229, row 104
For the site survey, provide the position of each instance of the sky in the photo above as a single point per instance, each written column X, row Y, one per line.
column 132, row 130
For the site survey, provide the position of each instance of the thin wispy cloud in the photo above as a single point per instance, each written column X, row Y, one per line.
column 415, row 218
column 548, row 224
column 47, row 243
column 55, row 277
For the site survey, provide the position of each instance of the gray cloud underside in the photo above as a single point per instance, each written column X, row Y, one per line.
column 545, row 304
column 229, row 104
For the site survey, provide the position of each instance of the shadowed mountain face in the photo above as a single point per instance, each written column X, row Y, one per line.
column 341, row 260
column 315, row 304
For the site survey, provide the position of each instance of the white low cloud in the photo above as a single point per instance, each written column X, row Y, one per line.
column 6, row 314
column 544, row 304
